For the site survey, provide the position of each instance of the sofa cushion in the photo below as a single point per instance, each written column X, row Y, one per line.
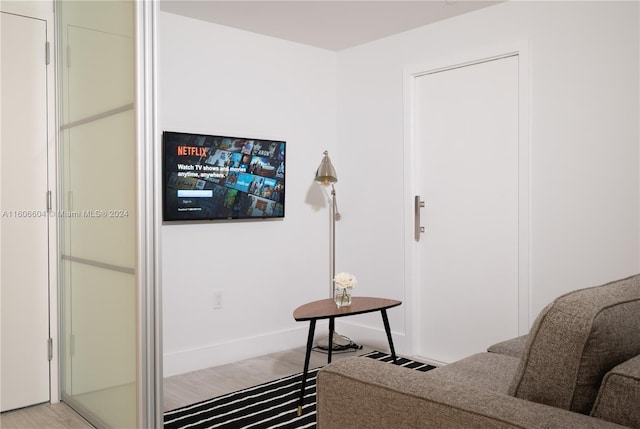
column 512, row 347
column 575, row 341
column 490, row 371
column 618, row 400
column 362, row 393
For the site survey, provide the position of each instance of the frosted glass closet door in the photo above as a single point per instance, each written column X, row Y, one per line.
column 98, row 153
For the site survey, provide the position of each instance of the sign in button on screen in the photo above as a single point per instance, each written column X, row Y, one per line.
column 195, row 193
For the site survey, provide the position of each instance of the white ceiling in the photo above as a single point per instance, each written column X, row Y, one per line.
column 333, row 25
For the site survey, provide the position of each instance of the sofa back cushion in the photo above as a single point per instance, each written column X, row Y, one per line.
column 575, row 341
column 618, row 400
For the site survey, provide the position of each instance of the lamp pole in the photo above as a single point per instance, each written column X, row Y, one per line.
column 326, row 175
column 335, row 216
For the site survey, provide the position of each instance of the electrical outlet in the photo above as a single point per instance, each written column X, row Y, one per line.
column 217, row 299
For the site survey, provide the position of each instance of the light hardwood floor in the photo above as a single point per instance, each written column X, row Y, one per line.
column 184, row 389
column 44, row 416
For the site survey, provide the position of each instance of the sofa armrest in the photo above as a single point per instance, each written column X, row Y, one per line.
column 512, row 347
column 364, row 393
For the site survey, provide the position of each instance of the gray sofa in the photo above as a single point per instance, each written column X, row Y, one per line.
column 579, row 367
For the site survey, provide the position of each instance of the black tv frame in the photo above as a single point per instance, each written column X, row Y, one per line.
column 209, row 177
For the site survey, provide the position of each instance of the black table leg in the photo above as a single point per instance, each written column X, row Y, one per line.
column 312, row 328
column 387, row 329
column 331, row 329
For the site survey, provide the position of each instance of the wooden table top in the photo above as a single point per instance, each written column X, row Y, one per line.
column 326, row 308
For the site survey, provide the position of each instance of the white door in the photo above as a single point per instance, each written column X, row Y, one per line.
column 24, row 233
column 466, row 137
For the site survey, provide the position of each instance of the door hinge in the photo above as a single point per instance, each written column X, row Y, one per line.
column 417, row 205
column 50, row 348
column 47, row 53
column 49, row 201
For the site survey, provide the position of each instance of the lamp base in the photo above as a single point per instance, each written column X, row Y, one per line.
column 340, row 342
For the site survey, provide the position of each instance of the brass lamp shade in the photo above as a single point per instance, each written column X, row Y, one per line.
column 326, row 174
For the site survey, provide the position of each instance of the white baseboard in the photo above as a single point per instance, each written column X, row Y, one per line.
column 195, row 359
column 185, row 361
column 428, row 360
column 374, row 337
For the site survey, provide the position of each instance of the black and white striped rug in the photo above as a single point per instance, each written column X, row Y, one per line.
column 268, row 405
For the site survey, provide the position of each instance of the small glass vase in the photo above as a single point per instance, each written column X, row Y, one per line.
column 342, row 296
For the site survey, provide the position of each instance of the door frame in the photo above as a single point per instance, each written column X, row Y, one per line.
column 411, row 183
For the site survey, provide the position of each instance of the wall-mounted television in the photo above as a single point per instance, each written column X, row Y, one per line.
column 210, row 177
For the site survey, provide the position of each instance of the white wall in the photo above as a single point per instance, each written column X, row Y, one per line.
column 584, row 145
column 218, row 80
column 585, row 185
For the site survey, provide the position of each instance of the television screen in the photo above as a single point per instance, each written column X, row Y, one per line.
column 209, row 177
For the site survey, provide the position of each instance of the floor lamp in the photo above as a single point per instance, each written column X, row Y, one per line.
column 326, row 175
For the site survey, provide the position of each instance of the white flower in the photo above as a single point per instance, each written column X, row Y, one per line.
column 345, row 280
